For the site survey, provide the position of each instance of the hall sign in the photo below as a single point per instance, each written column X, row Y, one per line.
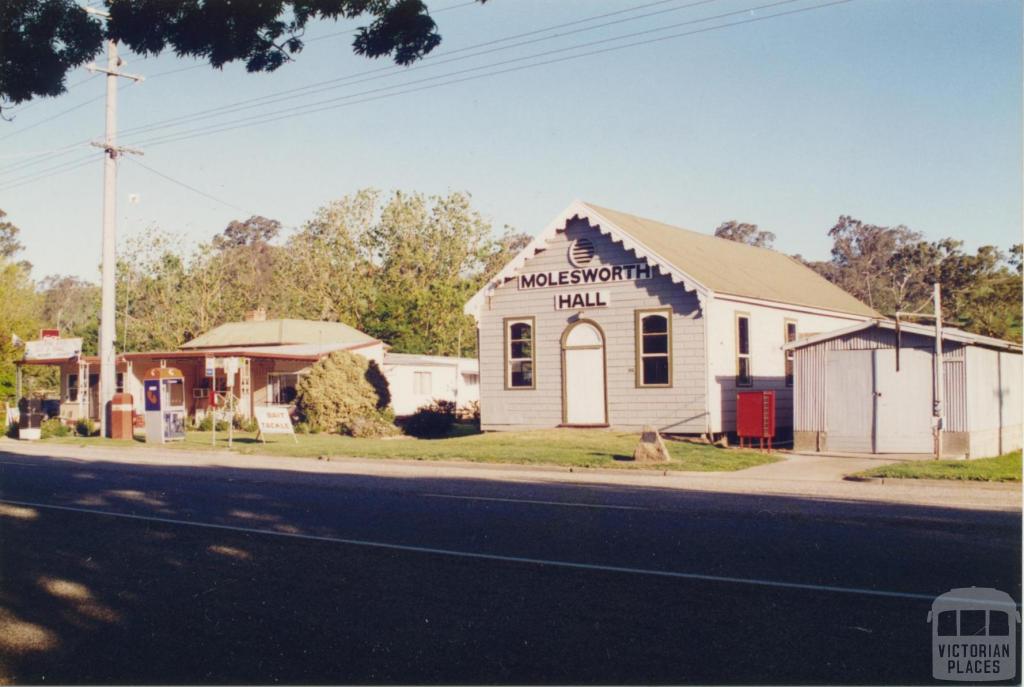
column 582, row 299
column 585, row 275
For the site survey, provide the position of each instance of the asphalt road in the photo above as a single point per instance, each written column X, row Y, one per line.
column 111, row 573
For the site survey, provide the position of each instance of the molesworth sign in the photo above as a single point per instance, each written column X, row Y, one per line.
column 585, row 275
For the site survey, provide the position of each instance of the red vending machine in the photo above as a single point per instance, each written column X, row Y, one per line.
column 755, row 417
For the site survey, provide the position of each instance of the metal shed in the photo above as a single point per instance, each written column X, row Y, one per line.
column 855, row 390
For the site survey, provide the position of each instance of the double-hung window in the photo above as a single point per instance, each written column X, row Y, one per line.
column 520, row 353
column 743, row 375
column 790, row 337
column 654, row 347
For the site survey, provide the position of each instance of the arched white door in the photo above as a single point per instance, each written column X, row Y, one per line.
column 583, row 375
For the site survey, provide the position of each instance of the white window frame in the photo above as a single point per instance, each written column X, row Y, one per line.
column 789, row 355
column 740, row 381
column 509, row 360
column 641, row 354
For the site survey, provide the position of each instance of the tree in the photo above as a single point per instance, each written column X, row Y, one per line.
column 19, row 306
column 9, row 244
column 246, row 262
column 861, row 255
column 73, row 306
column 41, row 40
column 742, row 232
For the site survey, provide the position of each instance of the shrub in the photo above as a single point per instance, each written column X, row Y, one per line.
column 340, row 389
column 86, row 427
column 431, row 421
column 471, row 412
column 12, row 430
column 206, row 424
column 245, row 424
column 53, row 428
column 370, row 427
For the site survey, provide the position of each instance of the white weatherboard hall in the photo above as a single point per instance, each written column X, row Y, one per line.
column 607, row 319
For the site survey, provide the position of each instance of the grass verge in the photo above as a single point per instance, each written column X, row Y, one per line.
column 1004, row 468
column 562, row 447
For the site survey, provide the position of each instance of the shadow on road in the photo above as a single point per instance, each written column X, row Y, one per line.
column 89, row 598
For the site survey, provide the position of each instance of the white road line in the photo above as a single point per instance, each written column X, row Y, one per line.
column 568, row 504
column 491, row 556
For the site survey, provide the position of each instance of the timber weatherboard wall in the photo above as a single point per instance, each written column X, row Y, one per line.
column 678, row 408
column 767, row 326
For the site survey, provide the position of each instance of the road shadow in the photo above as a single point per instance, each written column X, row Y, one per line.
column 230, row 575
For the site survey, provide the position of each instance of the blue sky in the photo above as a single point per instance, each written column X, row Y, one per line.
column 895, row 112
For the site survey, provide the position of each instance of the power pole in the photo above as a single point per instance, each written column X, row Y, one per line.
column 109, row 251
column 940, row 379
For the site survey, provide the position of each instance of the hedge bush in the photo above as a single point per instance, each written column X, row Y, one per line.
column 12, row 430
column 85, row 427
column 53, row 428
column 342, row 391
column 431, row 421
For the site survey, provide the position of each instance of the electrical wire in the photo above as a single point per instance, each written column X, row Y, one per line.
column 426, row 63
column 230, row 108
column 187, row 186
column 333, row 103
column 275, row 116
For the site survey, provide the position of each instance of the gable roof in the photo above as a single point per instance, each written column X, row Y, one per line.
column 278, row 333
column 948, row 334
column 700, row 262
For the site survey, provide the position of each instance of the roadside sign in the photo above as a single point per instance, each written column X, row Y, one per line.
column 45, row 349
column 230, row 366
column 274, row 421
column 211, row 366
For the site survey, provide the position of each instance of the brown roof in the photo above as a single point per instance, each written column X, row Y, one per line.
column 733, row 268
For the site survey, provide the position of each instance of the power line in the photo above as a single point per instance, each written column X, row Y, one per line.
column 333, row 103
column 275, row 97
column 190, row 188
column 51, row 118
column 426, row 63
column 39, row 101
column 282, row 114
column 49, row 173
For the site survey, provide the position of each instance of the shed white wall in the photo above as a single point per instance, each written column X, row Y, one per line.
column 767, row 360
column 993, row 401
column 447, row 383
column 1010, row 365
column 679, row 408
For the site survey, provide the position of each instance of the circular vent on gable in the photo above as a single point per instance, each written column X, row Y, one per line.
column 581, row 252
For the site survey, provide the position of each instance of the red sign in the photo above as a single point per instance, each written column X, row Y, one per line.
column 213, row 398
column 45, row 334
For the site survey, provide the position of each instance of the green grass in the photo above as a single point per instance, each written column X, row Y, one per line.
column 1005, row 468
column 562, row 447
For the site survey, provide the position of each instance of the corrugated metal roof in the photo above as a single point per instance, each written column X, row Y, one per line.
column 278, row 333
column 730, row 267
column 948, row 334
